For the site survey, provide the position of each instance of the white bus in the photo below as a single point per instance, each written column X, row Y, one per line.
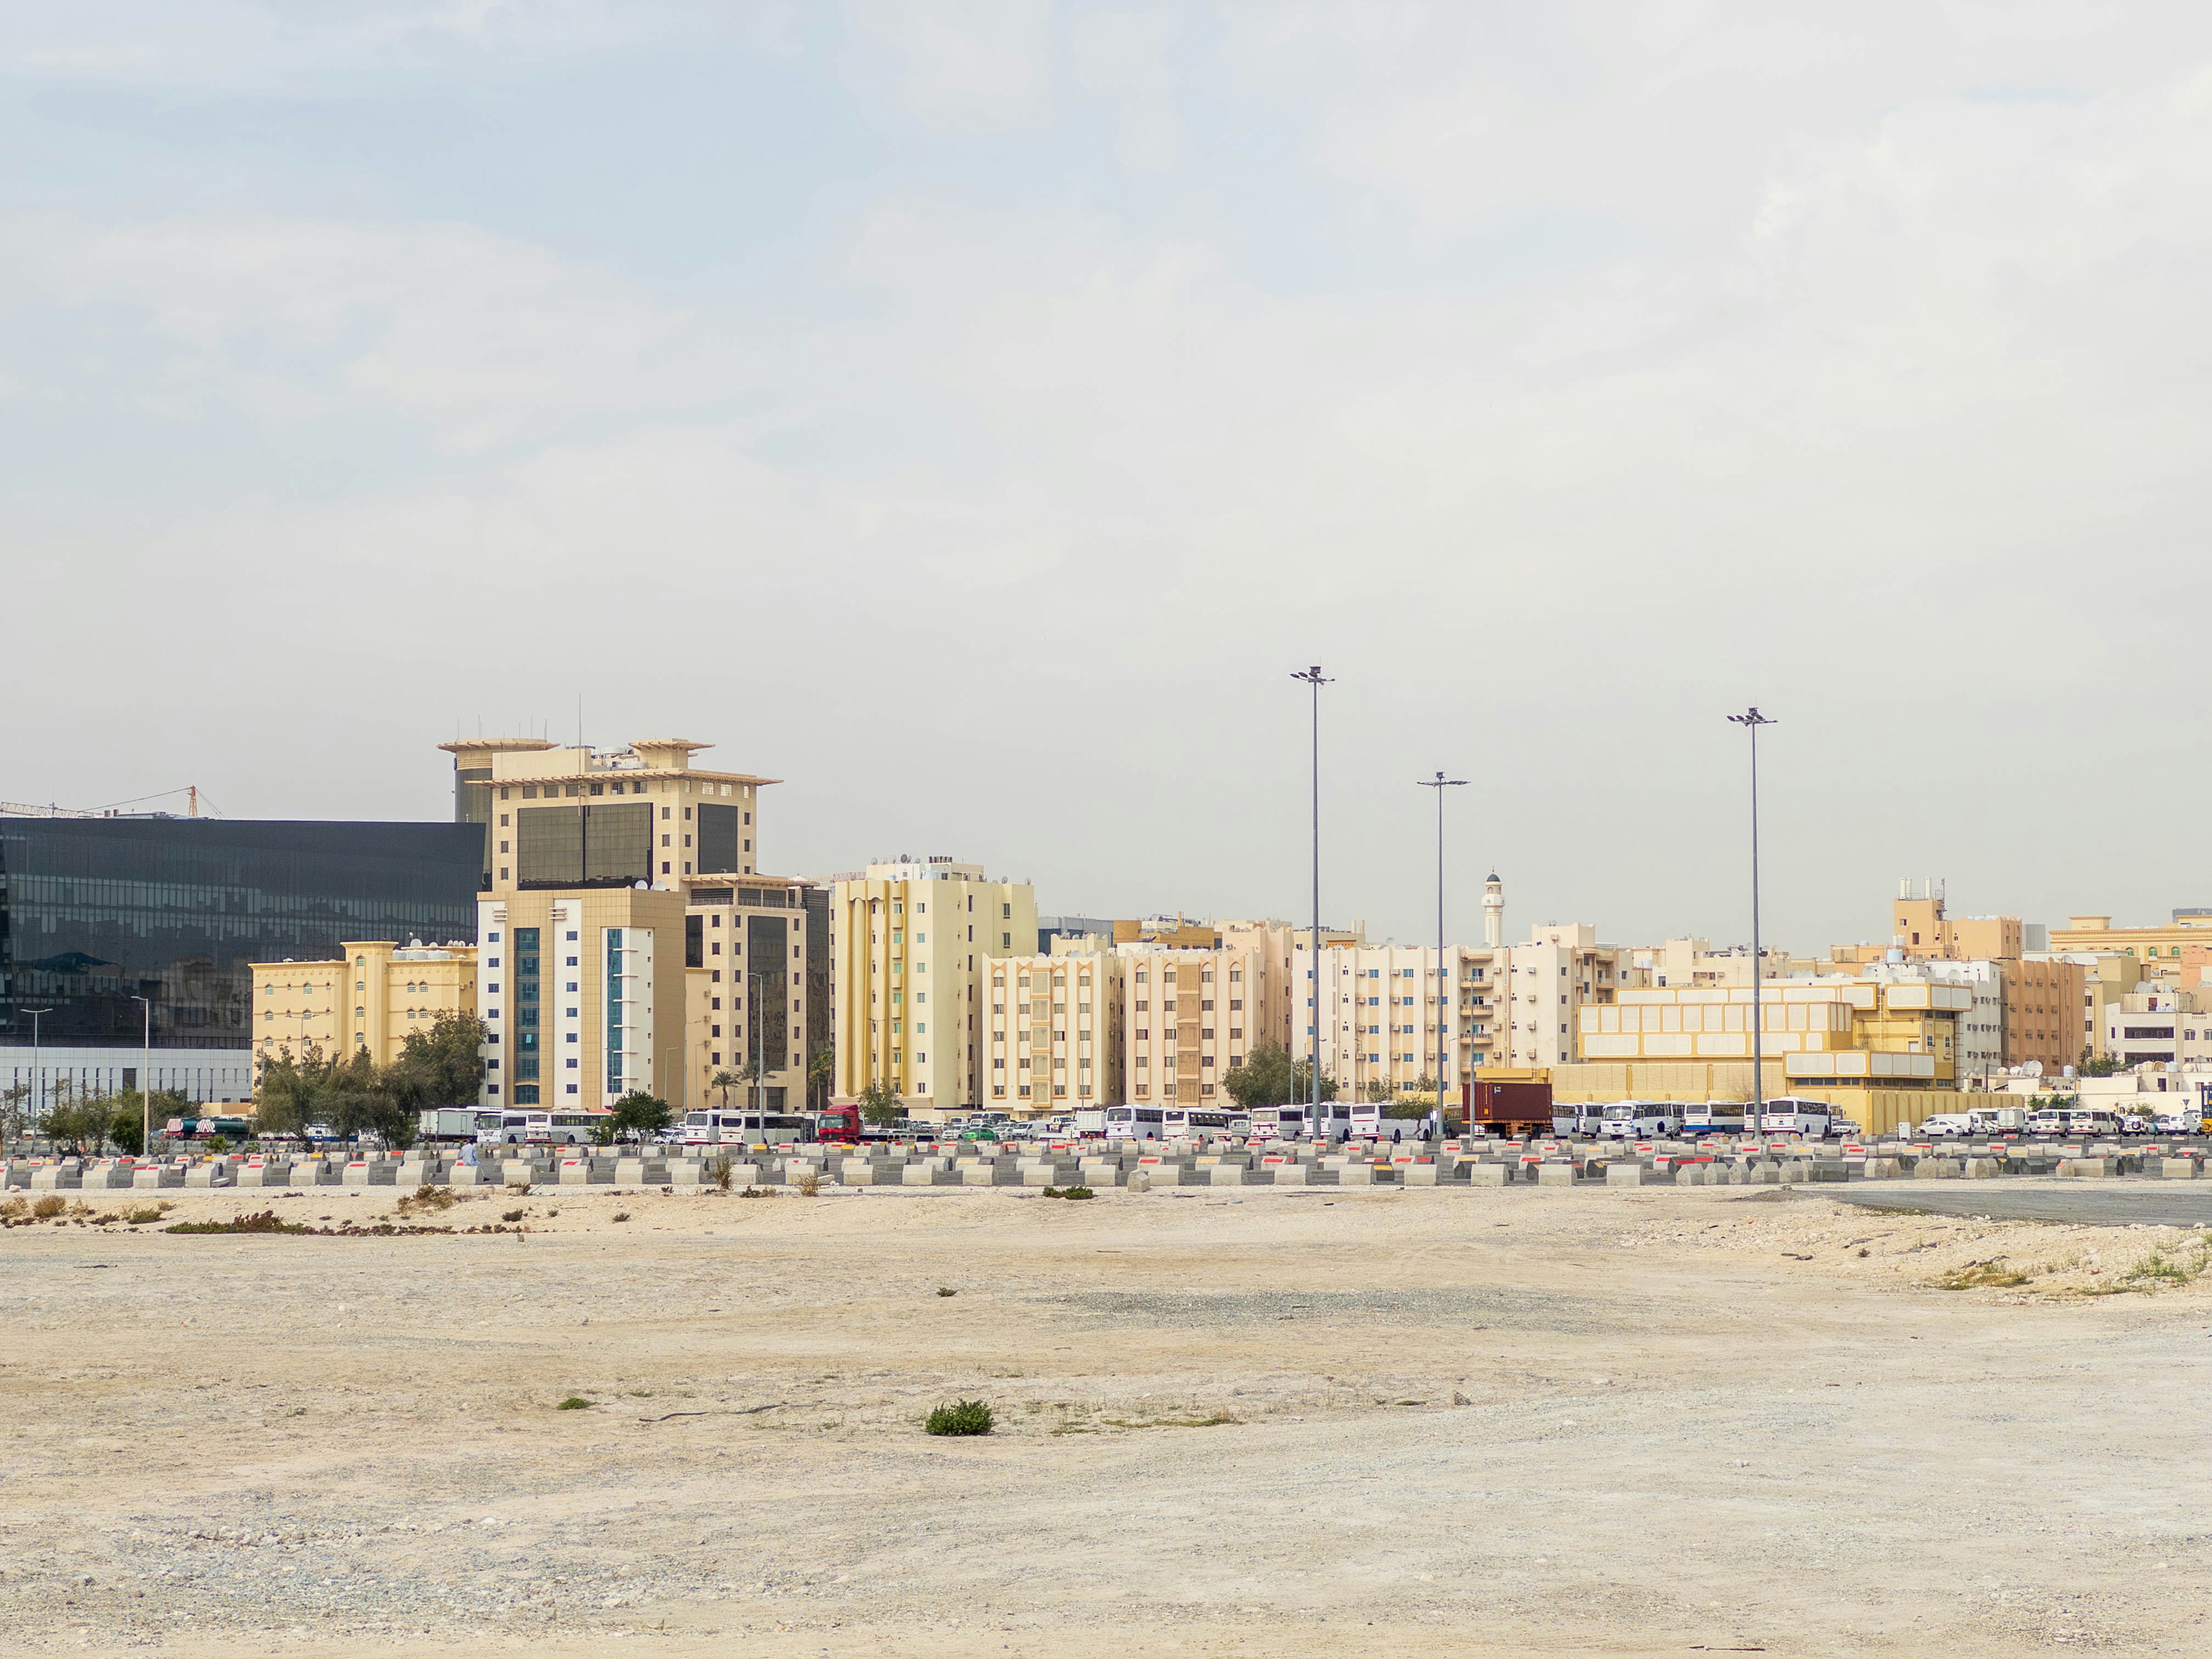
column 1788, row 1115
column 730, row 1127
column 1204, row 1120
column 521, row 1125
column 1134, row 1123
column 1639, row 1120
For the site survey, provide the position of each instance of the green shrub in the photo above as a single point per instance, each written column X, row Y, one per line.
column 961, row 1417
column 575, row 1402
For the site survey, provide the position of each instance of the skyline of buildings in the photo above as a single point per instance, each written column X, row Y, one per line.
column 626, row 936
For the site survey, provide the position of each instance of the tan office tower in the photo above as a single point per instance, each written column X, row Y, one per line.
column 909, row 942
column 582, row 926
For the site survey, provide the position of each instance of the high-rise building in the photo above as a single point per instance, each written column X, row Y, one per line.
column 909, row 942
column 606, row 877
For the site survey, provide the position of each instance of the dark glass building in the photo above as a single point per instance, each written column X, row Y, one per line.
column 95, row 912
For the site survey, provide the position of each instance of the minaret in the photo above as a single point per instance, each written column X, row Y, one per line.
column 1493, row 912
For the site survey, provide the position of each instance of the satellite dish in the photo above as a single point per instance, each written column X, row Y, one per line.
column 2032, row 1069
column 640, row 887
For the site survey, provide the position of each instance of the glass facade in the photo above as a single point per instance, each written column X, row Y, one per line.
column 95, row 912
column 767, row 954
column 614, row 1010
column 718, row 838
column 525, row 1015
column 584, row 846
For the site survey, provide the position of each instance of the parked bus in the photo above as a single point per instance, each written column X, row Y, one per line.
column 1640, row 1120
column 524, row 1126
column 1788, row 1115
column 1134, row 1123
column 1186, row 1120
column 731, row 1127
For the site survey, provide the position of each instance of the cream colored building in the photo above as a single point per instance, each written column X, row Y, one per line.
column 369, row 1000
column 2096, row 936
column 1384, row 1004
column 1551, row 978
column 1190, row 1016
column 592, row 858
column 1056, row 1030
column 910, row 948
column 582, row 996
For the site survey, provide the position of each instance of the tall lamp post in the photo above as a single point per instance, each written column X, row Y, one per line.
column 1440, row 783
column 1751, row 721
column 146, row 1081
column 38, row 1071
column 1314, row 677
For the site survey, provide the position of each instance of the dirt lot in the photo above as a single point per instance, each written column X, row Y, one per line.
column 1417, row 1423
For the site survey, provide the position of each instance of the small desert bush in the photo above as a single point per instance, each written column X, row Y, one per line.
column 961, row 1417
column 575, row 1402
column 511, row 1215
column 46, row 1208
column 1978, row 1275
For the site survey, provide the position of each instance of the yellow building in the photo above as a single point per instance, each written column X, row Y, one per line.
column 592, row 860
column 1056, row 1030
column 369, row 1000
column 754, row 998
column 2096, row 936
column 1831, row 1031
column 1190, row 1017
column 911, row 943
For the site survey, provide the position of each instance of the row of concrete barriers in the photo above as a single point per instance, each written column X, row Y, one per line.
column 1131, row 1165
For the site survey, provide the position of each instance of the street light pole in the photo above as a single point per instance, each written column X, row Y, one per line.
column 1751, row 721
column 38, row 1070
column 1314, row 677
column 146, row 1081
column 1440, row 783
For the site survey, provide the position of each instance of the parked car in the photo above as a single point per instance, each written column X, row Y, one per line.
column 2170, row 1123
column 1947, row 1126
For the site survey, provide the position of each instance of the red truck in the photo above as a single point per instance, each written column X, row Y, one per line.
column 838, row 1126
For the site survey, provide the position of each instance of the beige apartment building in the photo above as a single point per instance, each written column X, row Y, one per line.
column 1385, row 1005
column 910, row 948
column 371, row 1000
column 2096, row 936
column 592, row 859
column 2050, row 1013
column 1551, row 978
column 1190, row 1016
column 1833, row 1032
column 1056, row 1026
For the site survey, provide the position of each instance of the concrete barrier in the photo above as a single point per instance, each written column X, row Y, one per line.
column 1140, row 1181
column 1554, row 1175
column 1227, row 1174
column 1357, row 1173
column 1420, row 1175
column 1480, row 1175
column 1936, row 1168
column 2177, row 1169
column 1625, row 1174
column 207, row 1176
column 974, row 1174
column 1293, row 1175
column 517, row 1172
column 1037, row 1175
column 917, row 1175
column 56, row 1178
column 2089, row 1169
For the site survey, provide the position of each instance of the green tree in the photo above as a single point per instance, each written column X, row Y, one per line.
column 358, row 1097
column 442, row 1066
column 2091, row 1066
column 639, row 1115
column 1380, row 1092
column 285, row 1095
column 725, row 1080
column 820, row 1069
column 880, row 1105
column 14, row 1111
column 1269, row 1077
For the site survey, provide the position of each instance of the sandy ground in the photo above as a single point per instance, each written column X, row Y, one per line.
column 1427, row 1422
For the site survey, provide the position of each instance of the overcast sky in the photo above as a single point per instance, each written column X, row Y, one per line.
column 971, row 414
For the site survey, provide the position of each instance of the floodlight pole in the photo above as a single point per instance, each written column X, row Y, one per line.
column 1440, row 783
column 38, row 1071
column 146, row 1081
column 1314, row 677
column 1751, row 721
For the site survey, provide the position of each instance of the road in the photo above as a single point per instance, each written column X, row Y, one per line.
column 2122, row 1203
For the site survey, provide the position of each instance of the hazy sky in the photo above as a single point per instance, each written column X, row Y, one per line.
column 971, row 414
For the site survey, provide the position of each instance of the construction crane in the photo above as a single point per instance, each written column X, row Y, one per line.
column 16, row 809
